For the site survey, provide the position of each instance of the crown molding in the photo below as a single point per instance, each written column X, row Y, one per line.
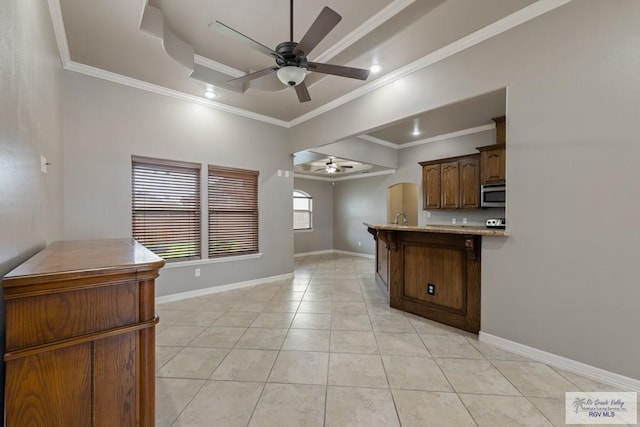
column 369, row 25
column 315, row 178
column 346, row 177
column 469, row 131
column 217, row 66
column 463, row 132
column 508, row 22
column 379, row 141
column 58, row 30
column 519, row 17
column 161, row 90
column 365, row 175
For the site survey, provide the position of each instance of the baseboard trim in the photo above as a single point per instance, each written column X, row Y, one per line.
column 358, row 254
column 302, row 254
column 215, row 289
column 606, row 377
column 334, row 251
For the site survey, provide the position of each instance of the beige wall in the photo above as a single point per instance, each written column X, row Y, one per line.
column 321, row 238
column 566, row 280
column 106, row 123
column 30, row 125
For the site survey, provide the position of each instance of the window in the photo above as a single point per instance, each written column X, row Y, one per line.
column 302, row 209
column 233, row 212
column 166, row 207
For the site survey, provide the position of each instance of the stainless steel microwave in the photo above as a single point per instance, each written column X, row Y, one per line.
column 493, row 196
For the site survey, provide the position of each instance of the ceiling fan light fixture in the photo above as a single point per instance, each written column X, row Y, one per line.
column 291, row 75
column 331, row 167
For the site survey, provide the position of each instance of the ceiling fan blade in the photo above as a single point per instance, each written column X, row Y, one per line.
column 303, row 92
column 252, row 76
column 346, row 167
column 247, row 41
column 338, row 70
column 324, row 23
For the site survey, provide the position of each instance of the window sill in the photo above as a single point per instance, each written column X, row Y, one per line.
column 304, row 230
column 211, row 260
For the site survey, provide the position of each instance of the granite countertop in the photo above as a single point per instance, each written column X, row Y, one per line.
column 477, row 230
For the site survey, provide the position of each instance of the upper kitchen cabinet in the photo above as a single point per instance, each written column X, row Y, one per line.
column 452, row 183
column 493, row 157
column 470, row 183
column 431, row 186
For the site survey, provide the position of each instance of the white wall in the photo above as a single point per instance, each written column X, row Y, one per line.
column 30, row 125
column 321, row 238
column 566, row 280
column 106, row 123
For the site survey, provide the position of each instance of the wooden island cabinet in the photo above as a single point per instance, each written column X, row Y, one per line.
column 433, row 271
column 80, row 336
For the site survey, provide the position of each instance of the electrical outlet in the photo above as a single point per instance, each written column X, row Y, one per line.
column 464, row 221
column 197, row 272
column 359, row 244
column 431, row 289
column 453, row 220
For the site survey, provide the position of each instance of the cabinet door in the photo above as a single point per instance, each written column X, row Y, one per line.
column 431, row 187
column 382, row 267
column 450, row 185
column 470, row 183
column 493, row 166
column 50, row 388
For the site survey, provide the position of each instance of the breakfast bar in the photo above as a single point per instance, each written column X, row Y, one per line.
column 432, row 271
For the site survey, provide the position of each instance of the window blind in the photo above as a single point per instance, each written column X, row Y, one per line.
column 233, row 212
column 166, row 207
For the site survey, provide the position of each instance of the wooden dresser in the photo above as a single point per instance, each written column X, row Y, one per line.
column 80, row 336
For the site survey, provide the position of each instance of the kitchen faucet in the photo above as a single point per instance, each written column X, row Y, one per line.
column 404, row 220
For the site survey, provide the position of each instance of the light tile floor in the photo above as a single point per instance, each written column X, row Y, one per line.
column 325, row 349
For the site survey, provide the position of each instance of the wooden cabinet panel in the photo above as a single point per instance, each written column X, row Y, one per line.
column 493, row 157
column 42, row 318
column 450, row 185
column 470, row 183
column 493, row 165
column 449, row 261
column 50, row 389
column 431, row 187
column 440, row 267
column 116, row 370
column 383, row 263
column 80, row 336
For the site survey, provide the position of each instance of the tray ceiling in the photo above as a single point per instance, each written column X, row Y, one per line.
column 167, row 43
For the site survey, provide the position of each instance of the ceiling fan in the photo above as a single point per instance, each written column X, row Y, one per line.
column 291, row 57
column 332, row 167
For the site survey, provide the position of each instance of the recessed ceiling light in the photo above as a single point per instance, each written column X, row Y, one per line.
column 375, row 68
column 209, row 94
column 416, row 127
